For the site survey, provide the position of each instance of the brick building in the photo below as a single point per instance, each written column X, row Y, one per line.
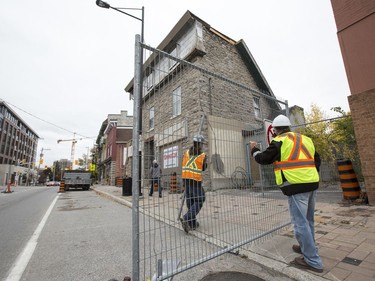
column 112, row 147
column 355, row 21
column 18, row 147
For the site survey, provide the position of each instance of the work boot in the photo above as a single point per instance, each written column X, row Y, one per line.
column 300, row 263
column 185, row 225
column 297, row 249
column 195, row 226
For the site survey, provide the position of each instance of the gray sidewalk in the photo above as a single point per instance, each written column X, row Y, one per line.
column 344, row 234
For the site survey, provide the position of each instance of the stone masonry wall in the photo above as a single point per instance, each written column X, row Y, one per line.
column 202, row 93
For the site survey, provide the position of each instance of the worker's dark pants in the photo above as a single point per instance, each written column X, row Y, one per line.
column 153, row 181
column 195, row 198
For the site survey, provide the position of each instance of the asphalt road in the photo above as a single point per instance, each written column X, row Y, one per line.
column 20, row 213
column 85, row 237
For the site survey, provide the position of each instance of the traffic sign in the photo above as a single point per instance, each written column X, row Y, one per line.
column 269, row 132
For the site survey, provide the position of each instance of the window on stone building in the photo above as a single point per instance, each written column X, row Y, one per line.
column 176, row 102
column 176, row 53
column 151, row 119
column 256, row 104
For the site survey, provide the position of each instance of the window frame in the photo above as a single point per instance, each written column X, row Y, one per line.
column 151, row 119
column 176, row 102
column 257, row 108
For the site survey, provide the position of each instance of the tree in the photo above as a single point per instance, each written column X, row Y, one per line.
column 320, row 131
column 333, row 138
column 45, row 175
column 344, row 138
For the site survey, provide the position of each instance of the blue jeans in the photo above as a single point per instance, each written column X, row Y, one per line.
column 301, row 208
column 195, row 198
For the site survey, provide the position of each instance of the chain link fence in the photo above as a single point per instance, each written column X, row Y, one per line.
column 181, row 99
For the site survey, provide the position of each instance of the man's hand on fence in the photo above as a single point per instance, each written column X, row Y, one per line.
column 252, row 144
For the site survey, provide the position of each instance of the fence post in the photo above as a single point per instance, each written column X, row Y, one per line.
column 136, row 160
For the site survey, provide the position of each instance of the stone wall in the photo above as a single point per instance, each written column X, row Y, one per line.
column 203, row 94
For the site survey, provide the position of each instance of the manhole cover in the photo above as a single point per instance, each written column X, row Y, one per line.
column 228, row 275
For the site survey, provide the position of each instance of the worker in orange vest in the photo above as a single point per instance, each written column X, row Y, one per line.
column 193, row 164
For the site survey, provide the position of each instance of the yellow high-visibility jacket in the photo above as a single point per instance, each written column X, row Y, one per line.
column 297, row 159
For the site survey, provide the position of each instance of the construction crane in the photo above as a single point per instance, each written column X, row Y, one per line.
column 74, row 141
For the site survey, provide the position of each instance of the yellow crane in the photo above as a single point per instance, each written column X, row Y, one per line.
column 74, row 141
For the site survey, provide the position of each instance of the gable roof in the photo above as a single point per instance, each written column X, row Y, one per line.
column 185, row 23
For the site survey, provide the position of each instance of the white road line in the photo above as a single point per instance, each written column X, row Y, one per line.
column 23, row 259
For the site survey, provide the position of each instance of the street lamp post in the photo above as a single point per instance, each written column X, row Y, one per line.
column 9, row 173
column 137, row 166
column 87, row 158
column 105, row 5
column 41, row 158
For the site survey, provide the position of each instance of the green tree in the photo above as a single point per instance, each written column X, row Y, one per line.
column 319, row 131
column 344, row 139
column 333, row 137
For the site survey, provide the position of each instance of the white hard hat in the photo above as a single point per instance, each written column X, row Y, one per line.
column 199, row 139
column 154, row 161
column 281, row 121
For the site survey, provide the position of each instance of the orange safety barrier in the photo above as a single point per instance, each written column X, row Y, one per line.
column 156, row 186
column 62, row 186
column 119, row 181
column 348, row 179
column 173, row 183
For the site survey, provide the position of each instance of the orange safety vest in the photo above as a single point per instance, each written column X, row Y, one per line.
column 297, row 159
column 192, row 166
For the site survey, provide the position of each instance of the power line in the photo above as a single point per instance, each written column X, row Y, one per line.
column 323, row 120
column 57, row 126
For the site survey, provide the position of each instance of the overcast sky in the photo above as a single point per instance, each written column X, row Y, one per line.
column 64, row 64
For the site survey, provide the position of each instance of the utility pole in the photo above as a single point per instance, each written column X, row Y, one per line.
column 87, row 158
column 41, row 158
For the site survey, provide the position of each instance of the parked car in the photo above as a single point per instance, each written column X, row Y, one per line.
column 53, row 183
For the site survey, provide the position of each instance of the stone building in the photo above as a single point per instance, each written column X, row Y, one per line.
column 18, row 147
column 210, row 84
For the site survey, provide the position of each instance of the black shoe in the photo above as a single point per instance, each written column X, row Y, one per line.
column 160, row 196
column 185, row 225
column 297, row 249
column 195, row 226
column 150, row 194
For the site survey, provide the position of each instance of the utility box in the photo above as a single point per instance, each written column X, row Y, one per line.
column 127, row 187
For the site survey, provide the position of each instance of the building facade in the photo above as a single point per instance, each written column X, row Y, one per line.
column 355, row 21
column 112, row 147
column 18, row 147
column 180, row 100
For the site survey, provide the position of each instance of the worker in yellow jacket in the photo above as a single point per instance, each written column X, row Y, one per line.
column 296, row 167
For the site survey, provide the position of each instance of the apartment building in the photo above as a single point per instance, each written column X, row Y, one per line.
column 18, row 147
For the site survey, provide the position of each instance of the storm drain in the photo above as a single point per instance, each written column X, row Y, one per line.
column 352, row 261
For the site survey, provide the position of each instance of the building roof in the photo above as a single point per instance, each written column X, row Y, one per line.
column 186, row 22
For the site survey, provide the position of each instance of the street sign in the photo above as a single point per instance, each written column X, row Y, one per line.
column 268, row 131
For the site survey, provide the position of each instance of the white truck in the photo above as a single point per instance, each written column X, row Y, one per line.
column 77, row 179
